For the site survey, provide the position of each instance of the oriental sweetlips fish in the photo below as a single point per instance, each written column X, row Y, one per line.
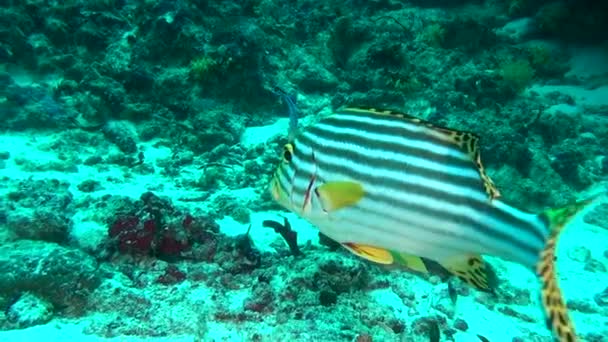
column 392, row 188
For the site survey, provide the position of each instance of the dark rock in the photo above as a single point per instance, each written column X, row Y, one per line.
column 468, row 35
column 63, row 276
column 461, row 325
column 261, row 299
column 582, row 306
column 89, row 185
column 121, row 134
column 52, row 194
column 580, row 254
column 39, row 224
column 602, row 298
column 328, row 297
column 598, row 216
column 93, row 160
column 595, row 266
column 338, row 276
column 29, row 310
column 582, row 21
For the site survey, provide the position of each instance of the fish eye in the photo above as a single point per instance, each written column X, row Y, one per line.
column 287, row 153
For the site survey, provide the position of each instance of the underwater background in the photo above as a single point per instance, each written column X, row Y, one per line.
column 138, row 139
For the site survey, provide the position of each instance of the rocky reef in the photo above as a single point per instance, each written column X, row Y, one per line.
column 138, row 140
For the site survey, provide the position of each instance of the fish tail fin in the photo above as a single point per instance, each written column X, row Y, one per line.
column 553, row 302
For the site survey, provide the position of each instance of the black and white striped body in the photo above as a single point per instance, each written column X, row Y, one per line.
column 423, row 194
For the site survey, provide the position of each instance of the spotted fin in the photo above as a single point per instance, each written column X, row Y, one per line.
column 371, row 253
column 470, row 143
column 557, row 313
column 466, row 141
column 473, row 270
column 338, row 195
column 555, row 308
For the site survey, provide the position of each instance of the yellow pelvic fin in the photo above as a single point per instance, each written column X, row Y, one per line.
column 413, row 262
column 337, row 195
column 468, row 142
column 371, row 253
column 557, row 313
column 471, row 269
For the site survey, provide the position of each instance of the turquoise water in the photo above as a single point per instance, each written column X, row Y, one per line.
column 139, row 138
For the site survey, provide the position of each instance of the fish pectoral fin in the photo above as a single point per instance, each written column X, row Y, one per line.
column 471, row 269
column 371, row 253
column 338, row 195
column 413, row 262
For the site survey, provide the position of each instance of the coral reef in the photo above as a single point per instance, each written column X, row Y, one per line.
column 139, row 138
column 40, row 210
column 153, row 226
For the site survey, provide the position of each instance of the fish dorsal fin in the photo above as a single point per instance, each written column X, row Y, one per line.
column 468, row 142
column 371, row 253
column 471, row 269
column 339, row 194
column 388, row 112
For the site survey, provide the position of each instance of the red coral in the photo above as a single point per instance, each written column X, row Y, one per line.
column 187, row 221
column 132, row 235
column 158, row 229
column 169, row 246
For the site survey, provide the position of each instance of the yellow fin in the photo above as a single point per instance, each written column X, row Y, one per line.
column 371, row 253
column 468, row 142
column 557, row 313
column 337, row 195
column 471, row 269
column 412, row 262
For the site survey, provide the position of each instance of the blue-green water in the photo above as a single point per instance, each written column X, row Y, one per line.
column 139, row 138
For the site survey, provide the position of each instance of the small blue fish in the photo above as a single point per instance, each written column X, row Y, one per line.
column 292, row 110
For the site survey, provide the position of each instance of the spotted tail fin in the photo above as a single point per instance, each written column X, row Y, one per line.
column 555, row 307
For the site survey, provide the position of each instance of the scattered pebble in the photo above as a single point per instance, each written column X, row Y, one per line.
column 461, row 324
column 595, row 266
column 598, row 216
column 580, row 254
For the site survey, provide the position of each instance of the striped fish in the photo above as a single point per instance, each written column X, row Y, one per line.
column 388, row 186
